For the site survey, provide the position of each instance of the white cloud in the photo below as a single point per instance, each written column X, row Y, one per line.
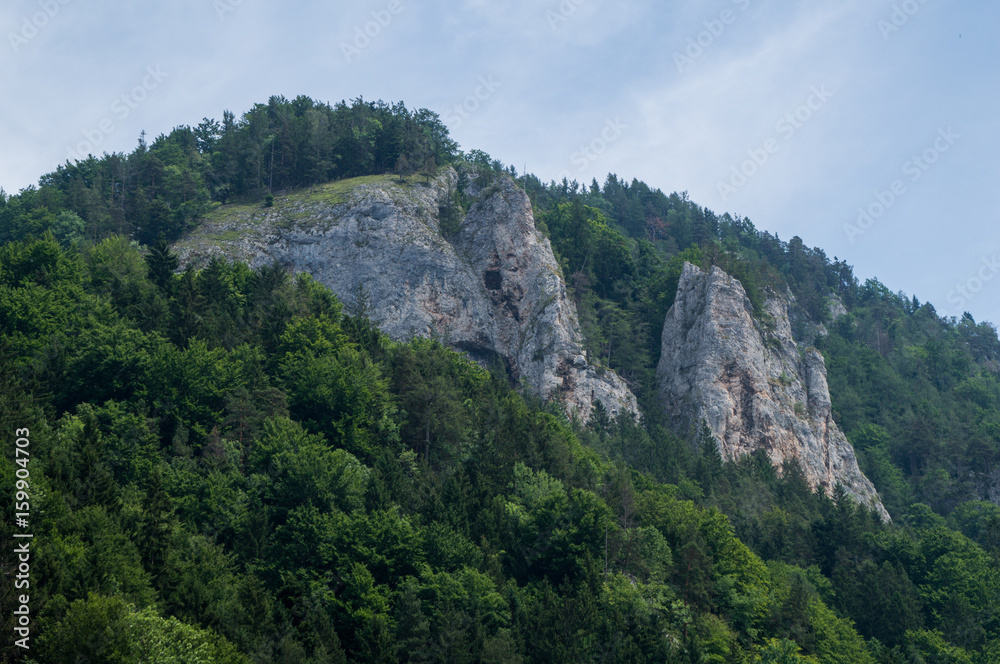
column 561, row 86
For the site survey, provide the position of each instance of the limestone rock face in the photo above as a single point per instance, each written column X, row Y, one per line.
column 493, row 289
column 755, row 387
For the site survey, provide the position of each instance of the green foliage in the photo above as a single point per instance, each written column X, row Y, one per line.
column 245, row 466
column 437, row 389
column 782, row 651
column 338, row 392
column 166, row 186
column 797, row 613
column 229, row 468
column 621, row 287
column 161, row 262
column 107, row 629
column 302, row 470
column 930, row 647
column 450, row 213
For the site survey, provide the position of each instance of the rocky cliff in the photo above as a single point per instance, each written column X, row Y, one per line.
column 753, row 385
column 491, row 289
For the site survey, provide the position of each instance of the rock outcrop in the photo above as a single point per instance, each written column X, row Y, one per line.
column 752, row 384
column 492, row 289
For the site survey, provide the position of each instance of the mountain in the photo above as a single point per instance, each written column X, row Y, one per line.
column 491, row 289
column 230, row 459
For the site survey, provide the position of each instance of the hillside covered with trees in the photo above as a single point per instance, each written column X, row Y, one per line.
column 228, row 465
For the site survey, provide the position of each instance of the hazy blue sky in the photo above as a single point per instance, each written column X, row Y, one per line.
column 798, row 115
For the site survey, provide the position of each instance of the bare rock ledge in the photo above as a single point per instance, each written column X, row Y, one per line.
column 754, row 387
column 493, row 289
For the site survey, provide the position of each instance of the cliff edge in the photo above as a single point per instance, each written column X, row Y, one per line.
column 753, row 385
column 491, row 288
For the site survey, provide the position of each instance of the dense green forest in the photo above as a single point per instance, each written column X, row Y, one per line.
column 225, row 466
column 163, row 187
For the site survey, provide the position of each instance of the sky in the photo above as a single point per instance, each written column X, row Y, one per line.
column 869, row 128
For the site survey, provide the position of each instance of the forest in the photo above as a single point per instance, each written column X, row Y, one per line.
column 229, row 465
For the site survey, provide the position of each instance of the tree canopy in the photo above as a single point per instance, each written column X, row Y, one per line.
column 227, row 467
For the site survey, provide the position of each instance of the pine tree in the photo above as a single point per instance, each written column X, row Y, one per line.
column 161, row 263
column 403, row 167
